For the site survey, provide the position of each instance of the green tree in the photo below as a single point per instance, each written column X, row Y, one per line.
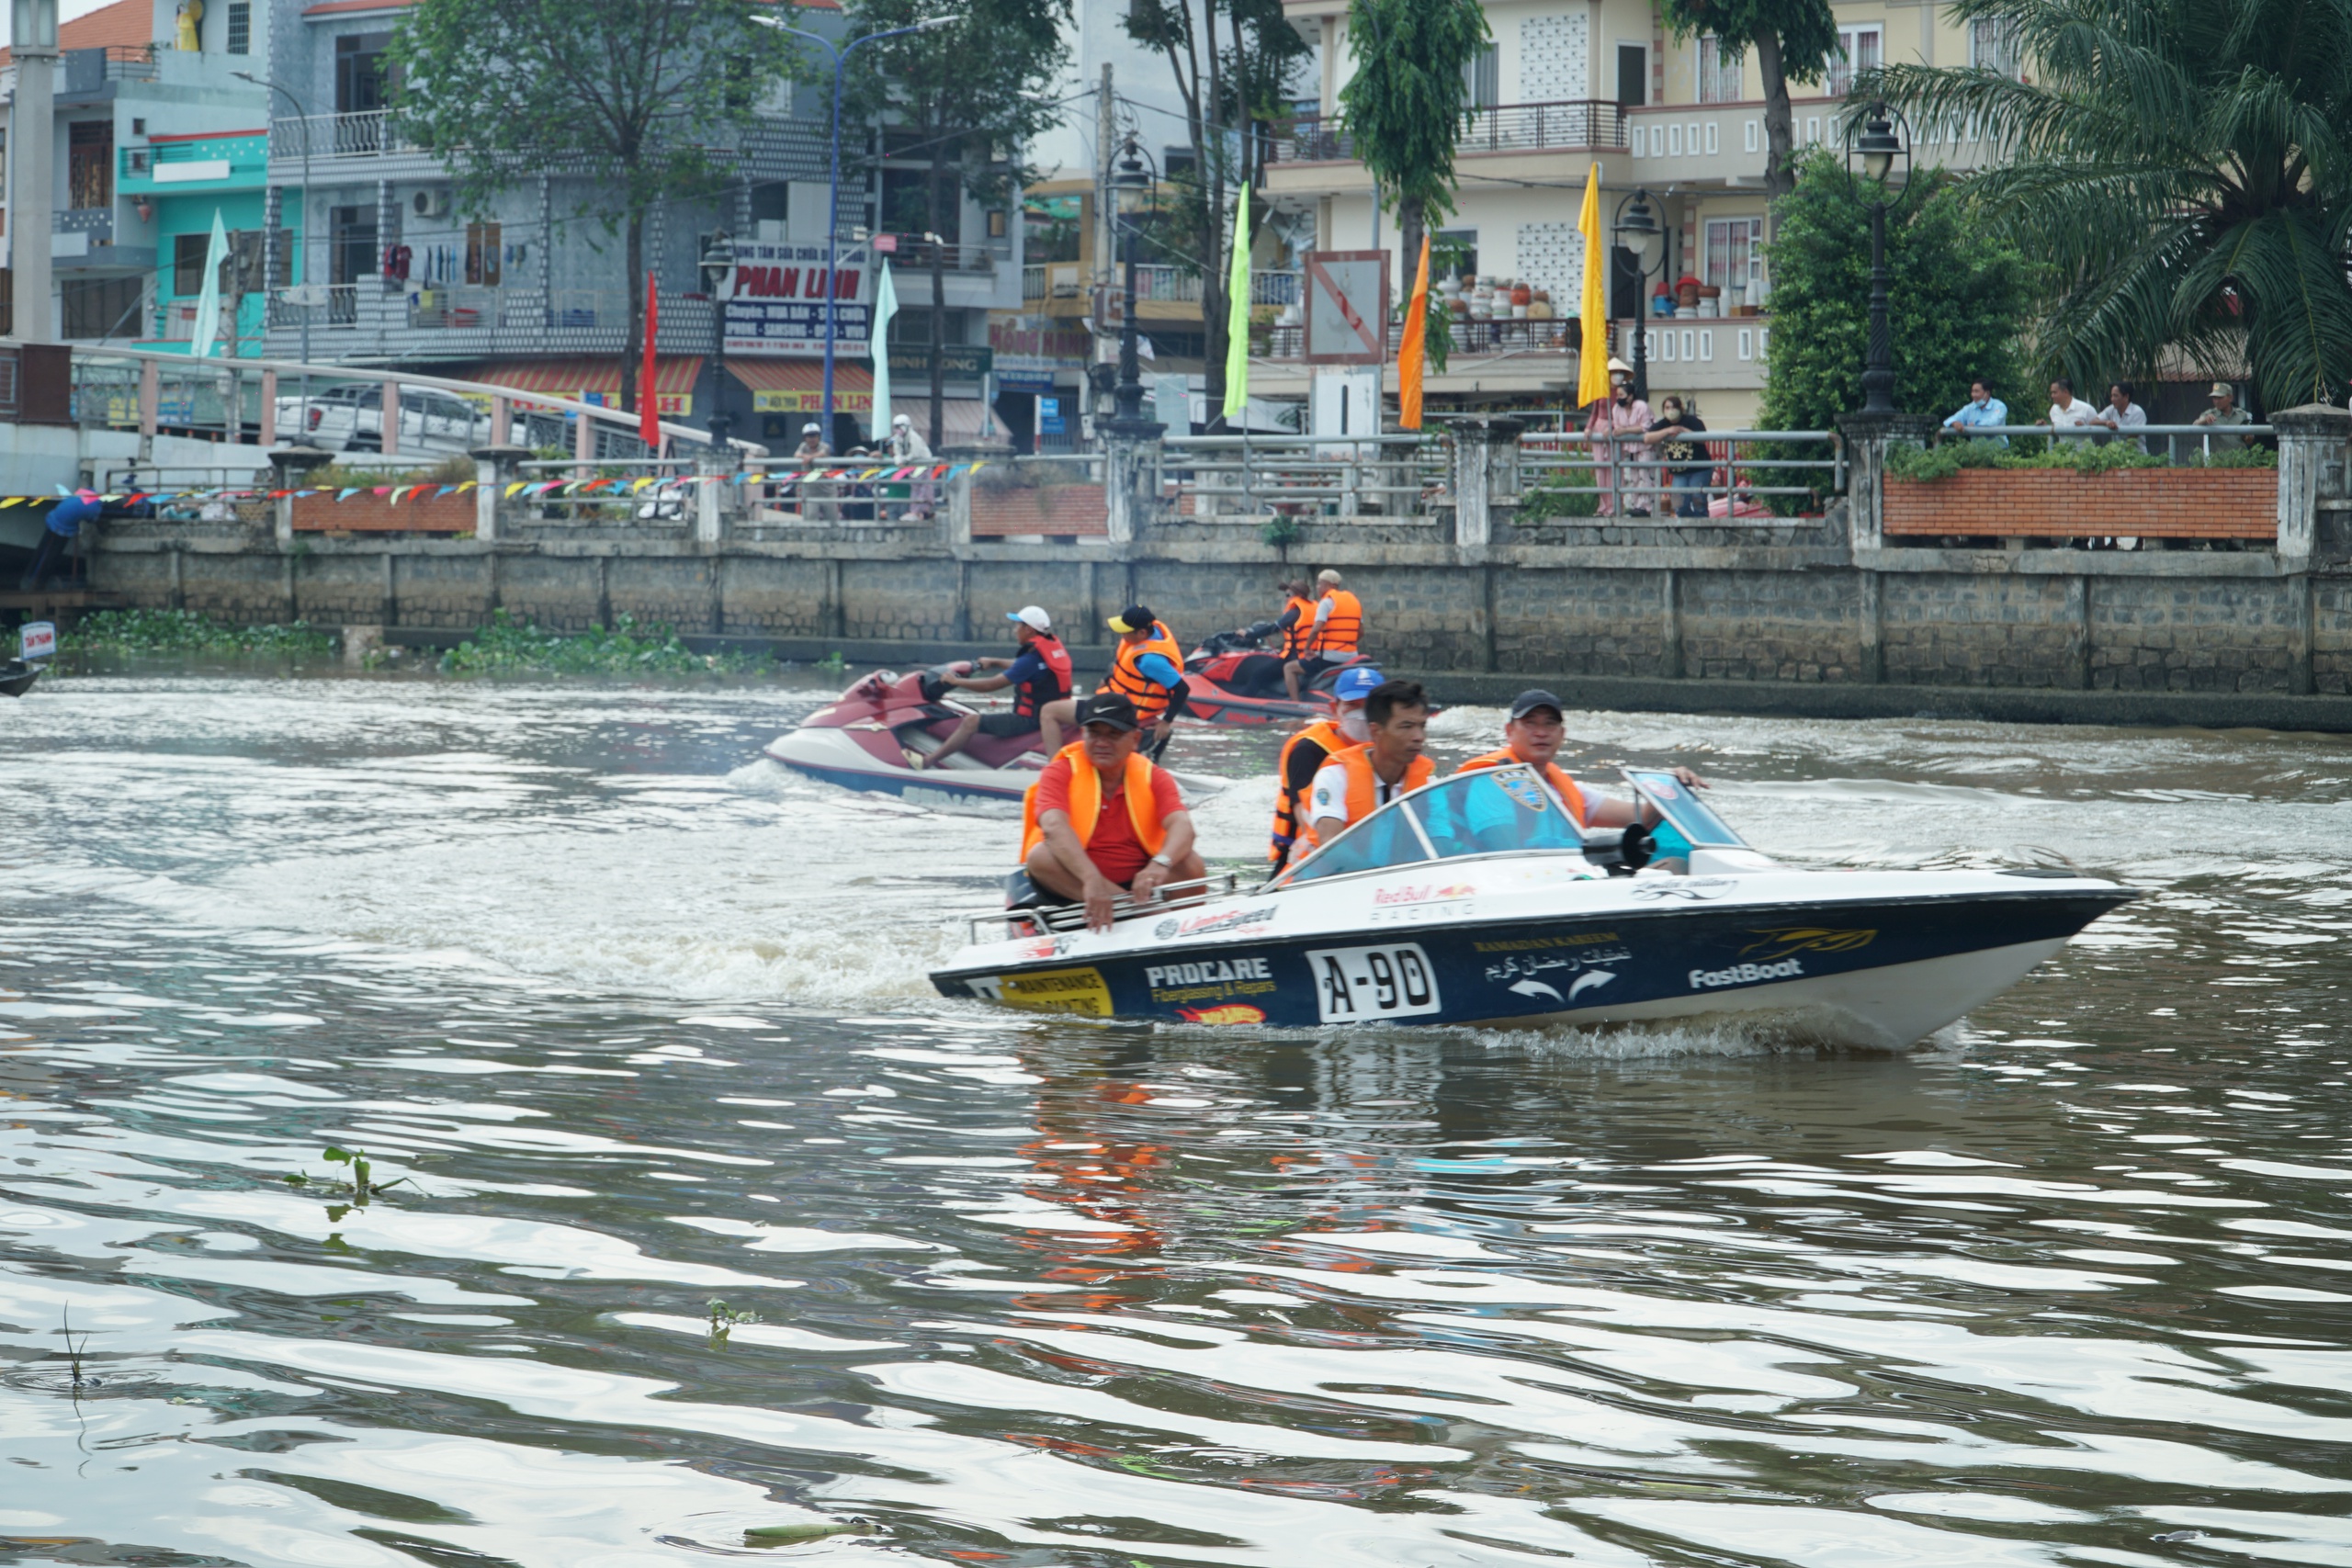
column 2186, row 168
column 1794, row 40
column 1234, row 84
column 966, row 100
column 1957, row 293
column 1404, row 107
column 636, row 99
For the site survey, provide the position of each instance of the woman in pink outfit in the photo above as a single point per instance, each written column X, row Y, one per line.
column 1616, row 429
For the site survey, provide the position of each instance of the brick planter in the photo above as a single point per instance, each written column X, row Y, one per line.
column 1071, row 509
column 370, row 514
column 2169, row 503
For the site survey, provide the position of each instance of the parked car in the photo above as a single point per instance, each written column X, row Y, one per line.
column 349, row 417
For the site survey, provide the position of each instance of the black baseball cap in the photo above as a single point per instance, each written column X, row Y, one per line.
column 1111, row 708
column 1134, row 618
column 1528, row 702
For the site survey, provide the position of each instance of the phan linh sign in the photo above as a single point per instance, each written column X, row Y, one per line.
column 1347, row 308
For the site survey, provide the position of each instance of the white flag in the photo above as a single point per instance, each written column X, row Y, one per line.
column 207, row 304
column 885, row 305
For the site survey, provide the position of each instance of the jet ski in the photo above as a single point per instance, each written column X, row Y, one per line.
column 869, row 738
column 1230, row 679
column 1476, row 900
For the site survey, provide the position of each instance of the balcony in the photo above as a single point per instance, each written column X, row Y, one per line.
column 88, row 71
column 1568, row 125
column 172, row 165
column 362, row 319
column 364, row 135
column 918, row 255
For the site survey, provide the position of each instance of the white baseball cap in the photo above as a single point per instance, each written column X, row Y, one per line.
column 811, row 429
column 902, row 419
column 1032, row 618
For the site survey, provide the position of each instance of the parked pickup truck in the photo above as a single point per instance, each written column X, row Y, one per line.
column 349, row 417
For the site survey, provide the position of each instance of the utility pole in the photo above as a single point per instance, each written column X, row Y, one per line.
column 32, row 156
column 1106, row 138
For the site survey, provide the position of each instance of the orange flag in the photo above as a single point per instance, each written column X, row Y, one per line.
column 1412, row 350
column 649, row 401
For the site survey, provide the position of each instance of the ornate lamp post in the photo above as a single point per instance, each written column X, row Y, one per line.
column 718, row 265
column 1132, row 184
column 1637, row 230
column 1879, row 146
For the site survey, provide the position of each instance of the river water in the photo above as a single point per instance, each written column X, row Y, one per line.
column 638, row 1023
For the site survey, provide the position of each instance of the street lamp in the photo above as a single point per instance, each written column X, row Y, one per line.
column 718, row 262
column 1133, row 186
column 302, row 245
column 834, row 201
column 1638, row 232
column 1880, row 145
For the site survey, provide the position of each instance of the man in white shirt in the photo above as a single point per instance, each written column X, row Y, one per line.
column 2067, row 413
column 906, row 446
column 2121, row 414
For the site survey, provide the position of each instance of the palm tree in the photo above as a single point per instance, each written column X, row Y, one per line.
column 2186, row 167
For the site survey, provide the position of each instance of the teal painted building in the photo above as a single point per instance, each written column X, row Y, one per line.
column 178, row 182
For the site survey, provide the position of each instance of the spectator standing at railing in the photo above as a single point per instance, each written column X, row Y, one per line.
column 906, row 446
column 1685, row 461
column 1616, row 428
column 2069, row 414
column 2121, row 414
column 63, row 525
column 1981, row 409
column 2224, row 411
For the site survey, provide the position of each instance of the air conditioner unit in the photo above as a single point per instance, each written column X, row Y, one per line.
column 430, row 204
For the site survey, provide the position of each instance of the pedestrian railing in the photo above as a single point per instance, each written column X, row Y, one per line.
column 2183, row 446
column 1747, row 478
column 1211, row 477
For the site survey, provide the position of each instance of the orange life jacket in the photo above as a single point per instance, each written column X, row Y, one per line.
column 1363, row 784
column 1324, row 734
column 1298, row 640
column 1554, row 774
column 1027, row 700
column 1343, row 627
column 1151, row 698
column 1086, row 802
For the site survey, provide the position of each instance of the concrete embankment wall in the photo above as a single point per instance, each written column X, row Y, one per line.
column 2213, row 639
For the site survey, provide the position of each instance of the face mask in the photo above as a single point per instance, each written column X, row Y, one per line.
column 1353, row 725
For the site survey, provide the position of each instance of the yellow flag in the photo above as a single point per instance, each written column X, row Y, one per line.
column 1413, row 350
column 1592, row 368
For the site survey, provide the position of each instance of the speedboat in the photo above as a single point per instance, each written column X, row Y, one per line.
column 870, row 735
column 1229, row 680
column 1477, row 900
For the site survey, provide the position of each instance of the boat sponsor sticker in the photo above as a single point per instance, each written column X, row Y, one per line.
column 1080, row 991
column 1352, row 984
column 1210, row 982
column 1413, row 904
column 1247, row 922
column 1543, row 943
column 1783, row 941
column 1558, row 977
column 1744, row 975
column 1524, row 789
column 1692, row 887
column 1230, row 1012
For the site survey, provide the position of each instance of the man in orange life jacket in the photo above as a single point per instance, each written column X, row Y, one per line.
column 1040, row 677
column 1359, row 780
column 1304, row 753
column 1147, row 667
column 1102, row 818
column 1533, row 736
column 1339, row 630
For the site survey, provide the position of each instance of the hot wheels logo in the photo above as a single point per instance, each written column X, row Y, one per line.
column 1228, row 1012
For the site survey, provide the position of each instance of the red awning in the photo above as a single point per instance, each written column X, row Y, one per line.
column 596, row 380
column 797, row 386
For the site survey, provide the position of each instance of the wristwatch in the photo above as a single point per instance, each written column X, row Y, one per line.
column 1163, row 860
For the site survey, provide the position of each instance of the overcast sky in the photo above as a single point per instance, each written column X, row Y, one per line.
column 66, row 11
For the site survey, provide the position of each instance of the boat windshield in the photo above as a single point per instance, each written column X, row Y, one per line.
column 1492, row 811
column 1697, row 823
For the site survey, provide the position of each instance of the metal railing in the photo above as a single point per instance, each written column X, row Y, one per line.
column 1207, row 478
column 916, row 255
column 2184, row 445
column 1044, row 917
column 360, row 135
column 1621, row 480
column 1567, row 123
column 1053, row 281
column 1273, row 288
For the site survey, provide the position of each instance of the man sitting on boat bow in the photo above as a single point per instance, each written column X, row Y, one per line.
column 1102, row 820
column 1533, row 735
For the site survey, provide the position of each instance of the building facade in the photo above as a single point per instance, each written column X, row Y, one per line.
column 1562, row 87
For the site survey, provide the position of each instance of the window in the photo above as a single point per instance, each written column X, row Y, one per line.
column 1734, row 251
column 362, row 73
column 241, row 274
column 8, row 301
column 1864, row 50
column 1454, row 253
column 89, row 163
column 1482, row 78
column 484, row 262
column 351, row 238
column 1633, row 76
column 1719, row 79
column 102, row 307
column 187, row 264
column 3, row 165
column 1993, row 46
column 241, row 27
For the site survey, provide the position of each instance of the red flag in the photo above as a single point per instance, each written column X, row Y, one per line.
column 649, row 401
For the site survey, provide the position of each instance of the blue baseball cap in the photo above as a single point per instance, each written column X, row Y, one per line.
column 1356, row 683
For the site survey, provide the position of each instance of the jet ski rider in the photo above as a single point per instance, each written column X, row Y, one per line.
column 1040, row 678
column 1101, row 819
column 1533, row 735
column 1339, row 628
column 1147, row 667
column 1304, row 753
column 1359, row 780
